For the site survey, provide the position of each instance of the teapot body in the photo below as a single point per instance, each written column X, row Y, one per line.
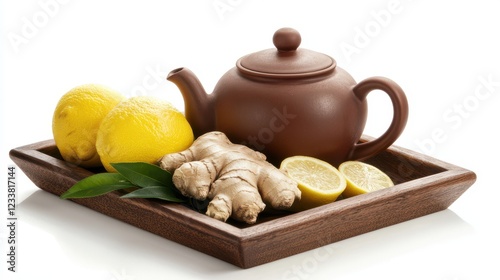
column 317, row 116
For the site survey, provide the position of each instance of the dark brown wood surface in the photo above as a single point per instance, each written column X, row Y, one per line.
column 424, row 185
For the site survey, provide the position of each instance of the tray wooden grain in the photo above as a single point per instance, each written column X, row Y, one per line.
column 424, row 185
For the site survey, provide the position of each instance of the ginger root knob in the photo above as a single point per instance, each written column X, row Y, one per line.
column 238, row 180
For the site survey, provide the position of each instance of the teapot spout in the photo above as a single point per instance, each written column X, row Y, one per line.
column 197, row 103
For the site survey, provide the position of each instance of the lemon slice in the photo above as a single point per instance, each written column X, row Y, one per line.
column 319, row 182
column 363, row 178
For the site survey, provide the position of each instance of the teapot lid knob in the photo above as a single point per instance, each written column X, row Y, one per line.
column 286, row 39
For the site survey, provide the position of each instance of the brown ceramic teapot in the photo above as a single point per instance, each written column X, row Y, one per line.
column 290, row 101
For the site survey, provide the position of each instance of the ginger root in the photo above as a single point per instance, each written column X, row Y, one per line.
column 238, row 180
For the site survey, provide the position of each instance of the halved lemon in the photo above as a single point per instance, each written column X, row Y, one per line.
column 363, row 178
column 319, row 182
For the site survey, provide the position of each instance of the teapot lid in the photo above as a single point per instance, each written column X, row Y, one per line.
column 287, row 60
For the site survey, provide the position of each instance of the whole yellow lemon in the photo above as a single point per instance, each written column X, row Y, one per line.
column 142, row 129
column 76, row 120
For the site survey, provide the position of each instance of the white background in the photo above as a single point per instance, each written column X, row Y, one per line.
column 440, row 53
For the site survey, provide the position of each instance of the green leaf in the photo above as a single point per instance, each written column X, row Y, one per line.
column 160, row 192
column 97, row 184
column 144, row 174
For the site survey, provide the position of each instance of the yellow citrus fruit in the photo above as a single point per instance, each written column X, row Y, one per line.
column 142, row 129
column 76, row 120
column 319, row 182
column 362, row 178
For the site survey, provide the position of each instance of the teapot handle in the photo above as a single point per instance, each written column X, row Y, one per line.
column 399, row 119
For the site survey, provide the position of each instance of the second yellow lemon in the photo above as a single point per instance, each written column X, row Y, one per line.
column 142, row 129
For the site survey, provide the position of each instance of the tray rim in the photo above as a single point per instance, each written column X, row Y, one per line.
column 240, row 238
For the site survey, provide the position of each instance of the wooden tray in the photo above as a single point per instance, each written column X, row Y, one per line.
column 424, row 185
